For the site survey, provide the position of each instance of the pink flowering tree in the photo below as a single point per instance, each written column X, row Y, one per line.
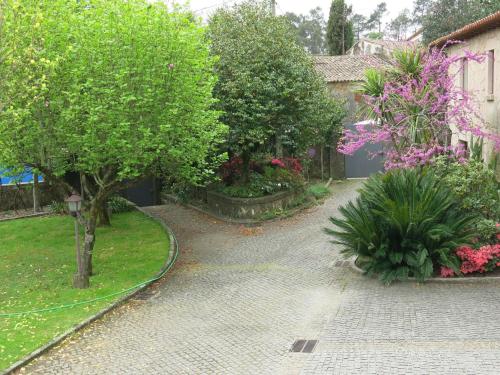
column 412, row 106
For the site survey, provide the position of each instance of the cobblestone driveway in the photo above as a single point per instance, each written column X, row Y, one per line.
column 238, row 298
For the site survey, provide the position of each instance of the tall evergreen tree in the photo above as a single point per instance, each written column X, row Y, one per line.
column 339, row 34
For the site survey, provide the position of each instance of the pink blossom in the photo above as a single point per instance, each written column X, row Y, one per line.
column 278, row 163
column 413, row 137
column 447, row 272
column 477, row 260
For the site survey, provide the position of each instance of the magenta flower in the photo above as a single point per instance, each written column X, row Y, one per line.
column 414, row 113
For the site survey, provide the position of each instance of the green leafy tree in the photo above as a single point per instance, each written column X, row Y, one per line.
column 339, row 34
column 420, row 9
column 359, row 25
column 107, row 89
column 268, row 89
column 445, row 16
column 375, row 20
column 399, row 26
column 375, row 35
column 310, row 30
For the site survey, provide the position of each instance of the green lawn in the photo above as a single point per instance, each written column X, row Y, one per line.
column 37, row 263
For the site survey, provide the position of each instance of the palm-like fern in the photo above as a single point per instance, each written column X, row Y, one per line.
column 404, row 223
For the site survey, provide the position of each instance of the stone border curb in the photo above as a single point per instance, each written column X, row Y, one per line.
column 451, row 280
column 59, row 339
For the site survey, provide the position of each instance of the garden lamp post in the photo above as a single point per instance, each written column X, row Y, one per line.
column 75, row 205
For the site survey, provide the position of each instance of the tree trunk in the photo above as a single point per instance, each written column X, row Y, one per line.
column 279, row 147
column 36, row 194
column 103, row 215
column 245, row 169
column 81, row 278
column 88, row 246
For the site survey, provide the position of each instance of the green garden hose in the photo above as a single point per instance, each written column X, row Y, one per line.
column 70, row 305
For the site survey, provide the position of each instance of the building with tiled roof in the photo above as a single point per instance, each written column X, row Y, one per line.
column 379, row 47
column 343, row 75
column 346, row 68
column 481, row 80
column 479, row 27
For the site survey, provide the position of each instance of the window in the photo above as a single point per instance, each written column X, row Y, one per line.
column 491, row 72
column 464, row 74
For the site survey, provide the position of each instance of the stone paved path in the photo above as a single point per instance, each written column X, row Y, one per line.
column 238, row 298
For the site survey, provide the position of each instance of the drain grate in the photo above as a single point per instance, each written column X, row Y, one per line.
column 303, row 346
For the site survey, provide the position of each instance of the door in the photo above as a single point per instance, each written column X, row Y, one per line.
column 362, row 163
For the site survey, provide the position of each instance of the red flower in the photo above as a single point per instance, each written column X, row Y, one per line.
column 477, row 260
column 278, row 163
column 447, row 272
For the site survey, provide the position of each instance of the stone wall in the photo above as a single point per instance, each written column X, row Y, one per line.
column 247, row 208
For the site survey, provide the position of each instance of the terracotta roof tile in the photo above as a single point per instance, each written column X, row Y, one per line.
column 470, row 30
column 347, row 68
column 391, row 44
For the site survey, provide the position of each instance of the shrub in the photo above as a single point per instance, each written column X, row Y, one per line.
column 270, row 181
column 404, row 223
column 473, row 183
column 318, row 191
column 59, row 208
column 118, row 204
column 267, row 176
column 484, row 259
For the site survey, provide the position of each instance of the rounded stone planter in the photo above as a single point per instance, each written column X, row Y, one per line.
column 469, row 279
column 248, row 208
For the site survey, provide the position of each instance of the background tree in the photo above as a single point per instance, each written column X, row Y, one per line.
column 375, row 19
column 420, row 9
column 110, row 91
column 268, row 88
column 310, row 30
column 445, row 16
column 358, row 25
column 375, row 35
column 339, row 34
column 399, row 26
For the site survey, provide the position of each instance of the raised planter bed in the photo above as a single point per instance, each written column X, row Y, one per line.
column 248, row 208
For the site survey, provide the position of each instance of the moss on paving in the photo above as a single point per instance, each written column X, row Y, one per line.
column 37, row 262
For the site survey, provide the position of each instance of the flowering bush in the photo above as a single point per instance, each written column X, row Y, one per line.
column 278, row 163
column 484, row 259
column 292, row 164
column 232, row 170
column 412, row 106
column 267, row 176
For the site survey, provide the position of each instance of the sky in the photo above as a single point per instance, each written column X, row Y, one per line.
column 364, row 7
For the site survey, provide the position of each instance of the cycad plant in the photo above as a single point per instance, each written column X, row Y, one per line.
column 404, row 223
